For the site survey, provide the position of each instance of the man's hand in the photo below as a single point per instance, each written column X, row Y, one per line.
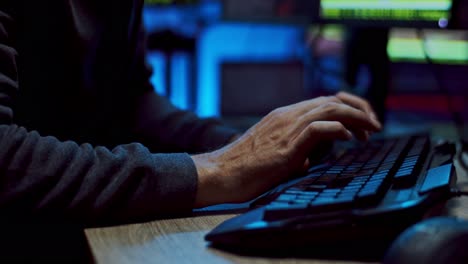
column 277, row 147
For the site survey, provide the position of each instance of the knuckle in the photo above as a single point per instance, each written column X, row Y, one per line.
column 330, row 107
column 333, row 99
column 340, row 127
column 284, row 154
column 367, row 105
column 313, row 128
column 277, row 112
column 341, row 94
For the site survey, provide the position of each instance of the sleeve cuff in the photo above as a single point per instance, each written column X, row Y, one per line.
column 170, row 188
column 175, row 185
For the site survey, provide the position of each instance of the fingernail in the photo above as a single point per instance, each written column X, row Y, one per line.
column 376, row 123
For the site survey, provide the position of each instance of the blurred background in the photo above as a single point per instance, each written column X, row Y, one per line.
column 240, row 59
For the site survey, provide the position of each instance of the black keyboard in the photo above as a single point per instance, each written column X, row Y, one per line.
column 358, row 178
column 384, row 184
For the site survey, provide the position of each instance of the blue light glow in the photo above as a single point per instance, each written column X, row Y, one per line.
column 257, row 225
column 180, row 80
column 239, row 42
column 156, row 61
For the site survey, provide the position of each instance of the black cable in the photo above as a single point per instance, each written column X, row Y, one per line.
column 456, row 116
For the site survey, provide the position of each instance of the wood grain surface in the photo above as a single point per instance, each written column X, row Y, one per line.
column 167, row 241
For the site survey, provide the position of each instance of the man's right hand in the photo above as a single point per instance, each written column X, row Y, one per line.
column 277, row 147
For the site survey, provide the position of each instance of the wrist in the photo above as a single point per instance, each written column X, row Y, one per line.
column 210, row 189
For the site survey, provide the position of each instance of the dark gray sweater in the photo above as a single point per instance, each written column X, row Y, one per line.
column 75, row 99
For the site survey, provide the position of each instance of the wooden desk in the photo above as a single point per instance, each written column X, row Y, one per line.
column 166, row 241
column 182, row 240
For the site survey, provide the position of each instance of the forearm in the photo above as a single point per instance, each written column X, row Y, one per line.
column 42, row 176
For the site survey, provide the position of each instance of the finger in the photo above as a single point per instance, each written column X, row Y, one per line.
column 306, row 166
column 361, row 135
column 320, row 131
column 306, row 106
column 351, row 117
column 357, row 102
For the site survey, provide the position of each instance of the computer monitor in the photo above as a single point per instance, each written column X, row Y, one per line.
column 387, row 13
column 270, row 11
column 256, row 88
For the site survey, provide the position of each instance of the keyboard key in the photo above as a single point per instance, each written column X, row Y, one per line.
column 294, row 192
column 378, row 177
column 406, row 174
column 352, row 187
column 326, row 195
column 306, row 197
column 350, row 195
column 383, row 172
column 301, row 201
column 438, row 177
column 356, row 184
column 335, row 191
column 349, row 192
column 316, row 187
column 321, row 200
column 357, row 178
column 308, row 193
column 286, row 198
column 374, row 182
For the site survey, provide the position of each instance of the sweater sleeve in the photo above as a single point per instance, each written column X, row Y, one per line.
column 45, row 177
column 42, row 176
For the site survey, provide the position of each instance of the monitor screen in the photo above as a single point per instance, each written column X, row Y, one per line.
column 270, row 11
column 404, row 13
column 268, row 85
